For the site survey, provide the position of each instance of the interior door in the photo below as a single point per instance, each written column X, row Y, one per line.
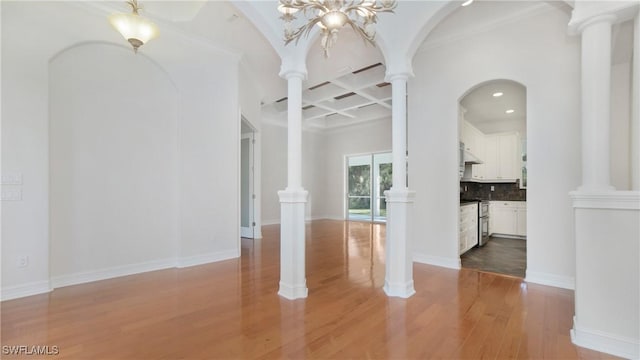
column 247, row 223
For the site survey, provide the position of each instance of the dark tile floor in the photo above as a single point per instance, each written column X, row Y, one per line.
column 499, row 255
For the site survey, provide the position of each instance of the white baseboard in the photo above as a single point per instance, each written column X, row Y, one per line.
column 604, row 342
column 206, row 258
column 331, row 217
column 314, row 218
column 271, row 222
column 451, row 263
column 109, row 273
column 564, row 282
column 131, row 269
column 18, row 291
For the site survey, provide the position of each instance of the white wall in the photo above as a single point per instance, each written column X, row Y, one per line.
column 620, row 126
column 359, row 139
column 274, row 171
column 207, row 140
column 607, row 309
column 113, row 125
column 538, row 53
column 25, row 223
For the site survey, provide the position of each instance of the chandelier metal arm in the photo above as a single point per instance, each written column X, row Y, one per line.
column 331, row 15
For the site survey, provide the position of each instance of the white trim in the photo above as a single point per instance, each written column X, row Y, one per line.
column 133, row 269
column 292, row 292
column 564, row 282
column 334, row 217
column 489, row 181
column 509, row 236
column 314, row 218
column 465, row 33
column 615, row 200
column 605, row 342
column 201, row 259
column 109, row 273
column 270, row 222
column 402, row 290
column 450, row 263
column 23, row 290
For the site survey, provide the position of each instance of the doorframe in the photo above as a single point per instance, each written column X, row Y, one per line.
column 255, row 156
column 345, row 179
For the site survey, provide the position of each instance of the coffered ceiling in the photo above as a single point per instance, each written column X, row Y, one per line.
column 354, row 97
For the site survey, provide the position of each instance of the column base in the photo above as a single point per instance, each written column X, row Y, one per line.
column 293, row 283
column 293, row 292
column 399, row 254
column 405, row 290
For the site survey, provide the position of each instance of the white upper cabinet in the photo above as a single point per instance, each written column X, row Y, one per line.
column 474, row 142
column 499, row 152
column 501, row 156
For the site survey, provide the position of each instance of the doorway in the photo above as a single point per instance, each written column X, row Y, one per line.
column 247, row 180
column 368, row 177
column 493, row 130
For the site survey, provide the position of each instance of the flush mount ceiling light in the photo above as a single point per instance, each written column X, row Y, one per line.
column 133, row 27
column 497, row 94
column 510, row 111
column 468, row 2
column 331, row 16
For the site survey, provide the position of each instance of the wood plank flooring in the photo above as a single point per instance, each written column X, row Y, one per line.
column 231, row 310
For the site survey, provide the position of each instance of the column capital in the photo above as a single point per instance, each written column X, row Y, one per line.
column 605, row 18
column 398, row 67
column 293, row 74
column 293, row 66
column 587, row 13
column 398, row 76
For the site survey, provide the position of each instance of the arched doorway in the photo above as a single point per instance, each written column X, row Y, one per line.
column 492, row 126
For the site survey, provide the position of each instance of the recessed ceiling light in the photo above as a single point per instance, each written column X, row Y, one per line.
column 497, row 94
column 468, row 2
column 510, row 111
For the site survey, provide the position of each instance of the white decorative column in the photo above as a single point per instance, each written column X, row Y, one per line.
column 596, row 103
column 398, row 253
column 635, row 110
column 293, row 283
column 607, row 285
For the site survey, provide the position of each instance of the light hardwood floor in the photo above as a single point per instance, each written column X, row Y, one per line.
column 231, row 310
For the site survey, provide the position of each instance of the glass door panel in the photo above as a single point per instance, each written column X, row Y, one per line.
column 382, row 178
column 368, row 177
column 359, row 187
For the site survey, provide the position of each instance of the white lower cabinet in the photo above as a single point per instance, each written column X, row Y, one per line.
column 468, row 226
column 508, row 218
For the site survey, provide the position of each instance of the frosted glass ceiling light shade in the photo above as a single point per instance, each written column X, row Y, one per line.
column 331, row 16
column 133, row 27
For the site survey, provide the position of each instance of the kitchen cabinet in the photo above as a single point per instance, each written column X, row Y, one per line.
column 468, row 237
column 500, row 154
column 508, row 218
column 473, row 140
column 501, row 157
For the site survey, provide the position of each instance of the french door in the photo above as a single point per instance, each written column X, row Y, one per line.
column 368, row 177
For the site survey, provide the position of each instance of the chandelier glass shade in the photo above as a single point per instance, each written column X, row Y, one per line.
column 330, row 16
column 133, row 27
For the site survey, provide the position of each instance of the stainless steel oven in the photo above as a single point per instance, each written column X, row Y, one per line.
column 483, row 223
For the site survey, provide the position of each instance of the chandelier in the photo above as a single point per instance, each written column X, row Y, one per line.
column 331, row 16
column 133, row 27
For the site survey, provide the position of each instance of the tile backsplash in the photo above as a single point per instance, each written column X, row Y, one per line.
column 502, row 191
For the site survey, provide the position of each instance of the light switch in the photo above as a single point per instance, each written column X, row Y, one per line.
column 11, row 194
column 12, row 179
